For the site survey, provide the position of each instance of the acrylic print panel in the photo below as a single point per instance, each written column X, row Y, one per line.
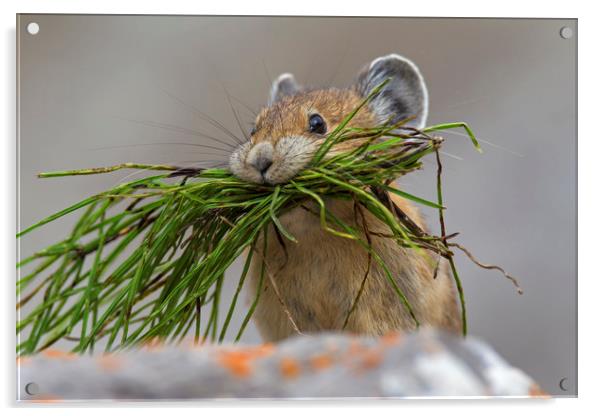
column 187, row 92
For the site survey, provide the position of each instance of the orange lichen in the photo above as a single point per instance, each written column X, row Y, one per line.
column 23, row 361
column 361, row 358
column 239, row 361
column 371, row 359
column 265, row 349
column 536, row 391
column 110, row 362
column 46, row 399
column 154, row 344
column 355, row 347
column 58, row 354
column 290, row 368
column 391, row 338
column 321, row 362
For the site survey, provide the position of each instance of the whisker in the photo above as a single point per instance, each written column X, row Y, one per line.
column 172, row 127
column 451, row 155
column 133, row 173
column 139, row 171
column 119, row 146
column 267, row 73
column 248, row 107
column 242, row 130
column 216, row 162
column 497, row 146
column 216, row 124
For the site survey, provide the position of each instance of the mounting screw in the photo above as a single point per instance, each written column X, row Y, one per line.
column 32, row 389
column 566, row 32
column 33, row 28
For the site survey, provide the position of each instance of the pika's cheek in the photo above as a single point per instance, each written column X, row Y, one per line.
column 239, row 167
column 291, row 155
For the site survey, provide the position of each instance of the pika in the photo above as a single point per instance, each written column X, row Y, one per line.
column 319, row 276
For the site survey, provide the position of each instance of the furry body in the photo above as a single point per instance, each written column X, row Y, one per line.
column 319, row 277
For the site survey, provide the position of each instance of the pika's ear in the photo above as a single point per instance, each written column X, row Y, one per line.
column 403, row 96
column 283, row 86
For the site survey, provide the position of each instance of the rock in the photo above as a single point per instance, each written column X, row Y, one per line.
column 426, row 363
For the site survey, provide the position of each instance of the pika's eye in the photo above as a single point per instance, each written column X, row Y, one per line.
column 253, row 130
column 317, row 124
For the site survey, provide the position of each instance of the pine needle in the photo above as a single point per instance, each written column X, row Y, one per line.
column 159, row 246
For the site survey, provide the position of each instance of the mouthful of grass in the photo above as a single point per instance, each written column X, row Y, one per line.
column 148, row 257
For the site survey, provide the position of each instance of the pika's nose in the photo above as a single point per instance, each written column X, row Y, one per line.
column 261, row 157
column 262, row 164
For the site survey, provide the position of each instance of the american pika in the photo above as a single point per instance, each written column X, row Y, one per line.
column 319, row 277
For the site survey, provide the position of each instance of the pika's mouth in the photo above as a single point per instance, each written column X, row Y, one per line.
column 268, row 163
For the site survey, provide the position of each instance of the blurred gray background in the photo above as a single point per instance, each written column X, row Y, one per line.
column 92, row 88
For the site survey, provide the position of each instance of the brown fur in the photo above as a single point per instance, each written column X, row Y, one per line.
column 318, row 278
column 288, row 117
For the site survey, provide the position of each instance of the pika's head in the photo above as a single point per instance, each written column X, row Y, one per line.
column 296, row 120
